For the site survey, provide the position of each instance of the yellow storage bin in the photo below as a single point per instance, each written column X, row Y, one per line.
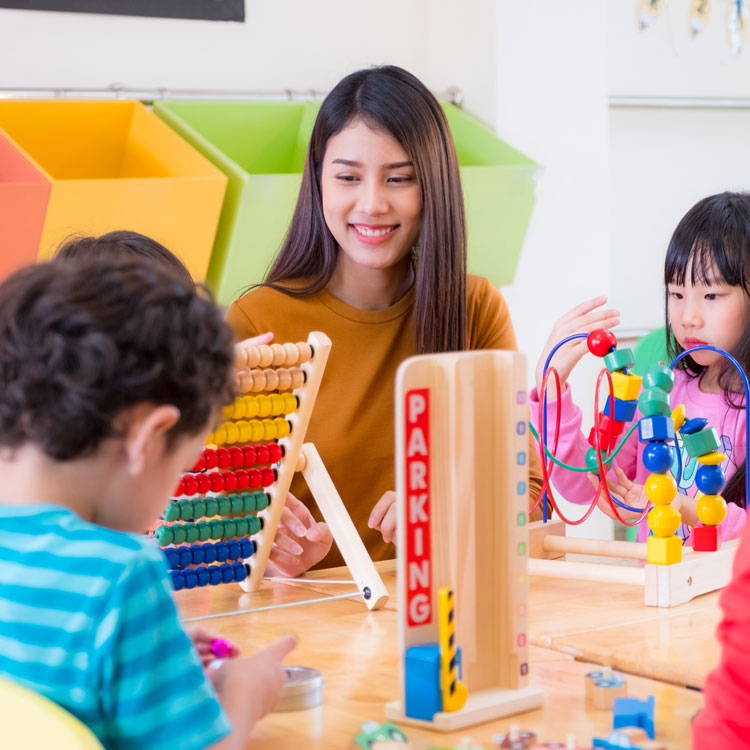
column 114, row 165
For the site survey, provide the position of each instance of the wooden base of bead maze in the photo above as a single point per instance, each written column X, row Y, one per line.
column 663, row 585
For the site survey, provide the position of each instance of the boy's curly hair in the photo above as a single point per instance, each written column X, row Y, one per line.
column 82, row 340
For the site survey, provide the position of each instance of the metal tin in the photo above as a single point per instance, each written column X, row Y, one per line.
column 303, row 689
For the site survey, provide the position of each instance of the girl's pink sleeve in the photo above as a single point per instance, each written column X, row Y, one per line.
column 575, row 486
column 731, row 527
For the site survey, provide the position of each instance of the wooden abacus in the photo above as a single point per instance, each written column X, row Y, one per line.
column 265, row 429
column 462, row 479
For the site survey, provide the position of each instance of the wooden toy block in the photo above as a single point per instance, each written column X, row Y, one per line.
column 655, row 428
column 706, row 538
column 626, row 387
column 631, row 712
column 654, row 402
column 602, row 687
column 606, row 442
column 698, row 443
column 624, row 410
column 664, row 550
column 620, row 359
column 539, row 532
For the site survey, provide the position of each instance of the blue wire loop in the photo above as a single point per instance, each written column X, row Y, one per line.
column 680, row 356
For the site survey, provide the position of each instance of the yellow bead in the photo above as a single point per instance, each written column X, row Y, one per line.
column 626, row 387
column 664, row 550
column 277, row 404
column 220, row 436
column 664, row 520
column 228, row 412
column 238, row 409
column 258, row 431
column 679, row 416
column 233, row 433
column 269, row 429
column 711, row 509
column 712, row 459
column 660, row 488
column 290, row 403
column 245, row 430
column 283, row 428
column 264, row 406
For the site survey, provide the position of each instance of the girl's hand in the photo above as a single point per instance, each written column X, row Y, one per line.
column 625, row 491
column 383, row 517
column 263, row 338
column 202, row 640
column 583, row 318
column 300, row 541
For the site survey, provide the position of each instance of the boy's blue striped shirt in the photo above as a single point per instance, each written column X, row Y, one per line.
column 87, row 620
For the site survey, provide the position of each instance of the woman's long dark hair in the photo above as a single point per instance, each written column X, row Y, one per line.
column 390, row 99
column 713, row 240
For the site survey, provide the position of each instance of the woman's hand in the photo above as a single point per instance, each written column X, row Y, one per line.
column 625, row 491
column 383, row 517
column 300, row 541
column 583, row 318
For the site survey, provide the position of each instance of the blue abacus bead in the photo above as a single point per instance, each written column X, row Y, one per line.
column 178, row 579
column 173, row 557
column 184, row 557
column 221, row 551
column 191, row 579
column 196, row 553
column 227, row 574
column 624, row 410
column 658, row 457
column 234, row 549
column 710, row 479
column 240, row 571
column 248, row 548
column 203, row 577
column 693, row 425
column 214, row 575
column 209, row 553
column 654, row 402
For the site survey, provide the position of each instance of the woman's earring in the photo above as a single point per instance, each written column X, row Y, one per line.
column 415, row 252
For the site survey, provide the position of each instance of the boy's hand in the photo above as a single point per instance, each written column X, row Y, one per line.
column 625, row 491
column 300, row 541
column 383, row 516
column 583, row 318
column 202, row 641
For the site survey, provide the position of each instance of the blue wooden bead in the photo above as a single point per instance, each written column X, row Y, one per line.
column 178, row 579
column 191, row 579
column 658, row 457
column 203, row 576
column 214, row 575
column 693, row 425
column 624, row 410
column 710, row 479
column 655, row 428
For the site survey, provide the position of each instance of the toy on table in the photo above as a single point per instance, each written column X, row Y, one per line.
column 602, row 687
column 657, row 432
column 240, row 484
column 520, row 739
column 462, row 486
column 221, row 648
column 628, row 739
column 630, row 712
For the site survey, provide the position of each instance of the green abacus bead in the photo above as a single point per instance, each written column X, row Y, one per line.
column 659, row 376
column 262, row 500
column 204, row 530
column 217, row 528
column 700, row 443
column 664, row 520
column 225, row 506
column 199, row 508
column 163, row 535
column 240, row 526
column 654, row 402
column 619, row 359
column 591, row 462
column 212, row 507
column 191, row 533
column 172, row 513
column 179, row 534
column 237, row 503
column 248, row 502
column 253, row 525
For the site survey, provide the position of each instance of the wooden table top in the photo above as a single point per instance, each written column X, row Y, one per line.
column 357, row 653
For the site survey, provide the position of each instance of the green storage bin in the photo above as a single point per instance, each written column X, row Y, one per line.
column 261, row 147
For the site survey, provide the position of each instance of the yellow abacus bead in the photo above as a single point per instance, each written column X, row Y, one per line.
column 283, row 428
column 711, row 509
column 264, row 405
column 210, row 439
column 277, row 404
column 266, row 355
column 664, row 520
column 660, row 488
column 251, row 407
column 279, row 355
column 272, row 379
column 219, row 436
column 253, row 356
column 233, row 434
column 258, row 431
column 712, row 459
column 305, row 351
column 227, row 412
column 245, row 431
column 238, row 409
column 290, row 403
column 679, row 416
column 292, row 354
column 269, row 429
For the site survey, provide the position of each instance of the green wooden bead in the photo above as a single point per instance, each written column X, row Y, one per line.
column 191, row 533
column 199, row 508
column 654, row 402
column 163, row 535
column 254, row 525
column 240, row 526
column 700, row 443
column 225, row 506
column 217, row 528
column 172, row 513
column 262, row 500
column 659, row 376
column 212, row 506
column 179, row 534
column 591, row 462
column 204, row 530
column 248, row 502
column 619, row 359
column 237, row 503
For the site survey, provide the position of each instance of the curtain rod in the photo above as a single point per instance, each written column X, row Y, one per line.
column 678, row 102
column 120, row 91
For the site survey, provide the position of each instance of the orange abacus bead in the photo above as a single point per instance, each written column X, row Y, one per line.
column 292, row 354
column 298, row 377
column 285, row 379
column 266, row 355
column 243, row 381
column 259, row 381
column 305, row 351
column 240, row 358
column 272, row 379
column 279, row 355
column 253, row 356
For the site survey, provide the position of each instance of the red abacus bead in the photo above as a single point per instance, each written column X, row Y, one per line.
column 254, row 478
column 204, row 482
column 225, row 457
column 236, row 457
column 250, row 455
column 180, row 490
column 600, row 341
column 190, row 484
column 277, row 452
column 201, row 464
column 217, row 482
column 269, row 477
column 263, row 454
column 230, row 481
column 212, row 459
column 243, row 478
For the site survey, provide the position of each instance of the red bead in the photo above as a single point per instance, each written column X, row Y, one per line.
column 251, row 457
column 269, row 477
column 600, row 341
column 212, row 459
column 254, row 478
column 604, row 422
column 276, row 451
column 190, row 484
column 605, row 444
column 243, row 478
column 263, row 454
column 204, row 482
column 201, row 463
column 237, row 457
column 217, row 482
column 223, row 458
column 230, row 481
column 180, row 488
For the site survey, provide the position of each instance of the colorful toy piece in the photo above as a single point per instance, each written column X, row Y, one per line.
column 387, row 736
column 454, row 692
column 628, row 739
column 630, row 712
column 221, row 648
column 602, row 687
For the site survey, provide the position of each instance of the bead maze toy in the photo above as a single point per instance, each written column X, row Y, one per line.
column 461, row 482
column 244, row 475
column 672, row 575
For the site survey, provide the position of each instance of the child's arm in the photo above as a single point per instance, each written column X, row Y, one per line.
column 250, row 688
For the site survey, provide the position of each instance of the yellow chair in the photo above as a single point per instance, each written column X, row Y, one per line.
column 32, row 722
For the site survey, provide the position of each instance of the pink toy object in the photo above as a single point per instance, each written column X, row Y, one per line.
column 220, row 648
